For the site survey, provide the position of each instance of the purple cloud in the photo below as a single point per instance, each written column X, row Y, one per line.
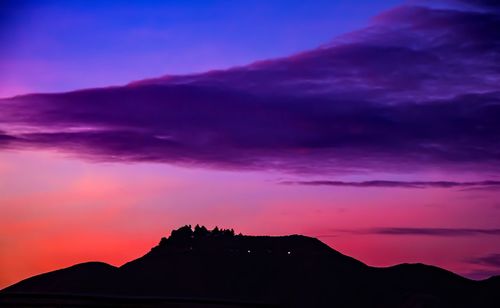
column 492, row 260
column 422, row 231
column 433, row 231
column 400, row 184
column 416, row 89
column 482, row 274
column 5, row 139
column 485, row 4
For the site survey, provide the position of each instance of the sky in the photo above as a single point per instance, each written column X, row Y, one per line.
column 68, row 45
column 372, row 125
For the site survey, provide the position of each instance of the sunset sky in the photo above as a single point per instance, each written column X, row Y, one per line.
column 373, row 125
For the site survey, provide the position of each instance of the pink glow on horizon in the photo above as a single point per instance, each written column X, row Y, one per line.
column 56, row 211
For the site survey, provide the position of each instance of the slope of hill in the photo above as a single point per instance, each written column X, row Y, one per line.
column 204, row 268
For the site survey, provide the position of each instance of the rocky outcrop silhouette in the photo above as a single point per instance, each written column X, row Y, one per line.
column 202, row 268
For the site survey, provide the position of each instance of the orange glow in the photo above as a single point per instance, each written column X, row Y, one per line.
column 56, row 211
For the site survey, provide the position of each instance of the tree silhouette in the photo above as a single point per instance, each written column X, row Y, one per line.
column 200, row 232
column 216, row 231
column 182, row 234
column 228, row 232
column 185, row 236
column 163, row 242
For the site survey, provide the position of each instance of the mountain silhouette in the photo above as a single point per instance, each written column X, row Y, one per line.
column 202, row 268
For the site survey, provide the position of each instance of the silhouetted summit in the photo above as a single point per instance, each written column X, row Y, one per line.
column 216, row 268
column 224, row 242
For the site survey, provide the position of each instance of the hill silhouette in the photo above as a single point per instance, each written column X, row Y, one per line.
column 202, row 268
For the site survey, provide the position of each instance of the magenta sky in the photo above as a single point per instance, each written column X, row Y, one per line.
column 383, row 142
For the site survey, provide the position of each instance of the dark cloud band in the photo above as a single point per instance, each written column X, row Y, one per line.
column 436, row 231
column 491, row 260
column 417, row 89
column 418, row 231
column 400, row 184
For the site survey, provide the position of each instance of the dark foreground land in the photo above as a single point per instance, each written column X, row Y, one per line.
column 75, row 300
column 215, row 269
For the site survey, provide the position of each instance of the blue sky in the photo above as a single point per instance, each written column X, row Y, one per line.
column 62, row 45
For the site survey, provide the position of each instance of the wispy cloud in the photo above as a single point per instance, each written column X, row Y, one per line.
column 491, row 260
column 435, row 231
column 485, row 4
column 420, row 231
column 481, row 274
column 400, row 184
column 5, row 139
